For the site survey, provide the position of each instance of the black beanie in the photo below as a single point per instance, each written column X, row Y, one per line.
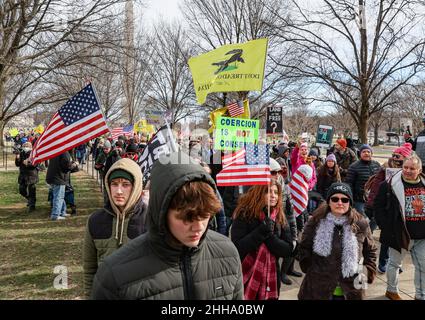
column 120, row 173
column 131, row 148
column 339, row 187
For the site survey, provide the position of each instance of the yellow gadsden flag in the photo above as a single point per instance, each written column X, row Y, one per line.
column 223, row 112
column 233, row 67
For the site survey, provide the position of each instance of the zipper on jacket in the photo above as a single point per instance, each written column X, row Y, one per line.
column 186, row 268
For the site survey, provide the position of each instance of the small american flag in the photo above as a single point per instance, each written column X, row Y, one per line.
column 75, row 123
column 122, row 131
column 236, row 108
column 246, row 167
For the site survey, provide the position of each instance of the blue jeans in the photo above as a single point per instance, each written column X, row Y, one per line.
column 59, row 205
column 383, row 256
column 417, row 250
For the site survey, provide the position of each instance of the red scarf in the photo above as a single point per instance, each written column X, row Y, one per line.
column 259, row 272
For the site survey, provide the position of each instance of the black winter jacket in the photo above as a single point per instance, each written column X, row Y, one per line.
column 59, row 168
column 358, row 174
column 249, row 235
column 389, row 213
column 28, row 174
column 154, row 266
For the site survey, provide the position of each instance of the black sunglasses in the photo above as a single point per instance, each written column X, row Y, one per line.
column 396, row 156
column 343, row 200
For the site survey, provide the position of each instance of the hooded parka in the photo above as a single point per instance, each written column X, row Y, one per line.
column 154, row 266
column 108, row 229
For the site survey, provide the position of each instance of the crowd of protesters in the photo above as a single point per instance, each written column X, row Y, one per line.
column 182, row 237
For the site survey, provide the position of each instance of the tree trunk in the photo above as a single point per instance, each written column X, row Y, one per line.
column 362, row 127
column 375, row 133
column 2, row 125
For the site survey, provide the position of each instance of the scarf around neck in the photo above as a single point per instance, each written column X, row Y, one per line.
column 323, row 239
column 259, row 272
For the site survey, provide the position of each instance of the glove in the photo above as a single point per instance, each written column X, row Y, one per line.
column 270, row 225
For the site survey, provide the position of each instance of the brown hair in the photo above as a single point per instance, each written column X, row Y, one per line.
column 352, row 215
column 195, row 200
column 324, row 172
column 251, row 204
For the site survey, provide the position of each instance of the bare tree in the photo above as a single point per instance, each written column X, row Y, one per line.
column 361, row 51
column 170, row 81
column 30, row 32
column 213, row 23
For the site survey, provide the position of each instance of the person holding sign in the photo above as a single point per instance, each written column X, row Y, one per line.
column 257, row 232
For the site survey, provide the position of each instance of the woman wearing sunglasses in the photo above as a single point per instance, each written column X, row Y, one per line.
column 335, row 242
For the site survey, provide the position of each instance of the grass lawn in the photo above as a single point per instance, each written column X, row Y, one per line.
column 32, row 246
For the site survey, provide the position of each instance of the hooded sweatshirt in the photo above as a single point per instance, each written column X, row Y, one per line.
column 108, row 229
column 156, row 266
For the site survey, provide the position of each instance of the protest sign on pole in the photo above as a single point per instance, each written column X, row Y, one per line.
column 155, row 117
column 274, row 120
column 324, row 136
column 234, row 133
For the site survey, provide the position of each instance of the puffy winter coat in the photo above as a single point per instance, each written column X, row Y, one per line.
column 358, row 174
column 153, row 266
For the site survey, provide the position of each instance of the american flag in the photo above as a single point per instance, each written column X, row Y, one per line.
column 246, row 167
column 236, row 108
column 75, row 123
column 122, row 131
column 299, row 188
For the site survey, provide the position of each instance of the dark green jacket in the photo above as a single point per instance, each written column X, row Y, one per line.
column 108, row 229
column 153, row 267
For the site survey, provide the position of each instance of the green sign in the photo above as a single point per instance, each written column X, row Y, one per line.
column 234, row 133
column 324, row 136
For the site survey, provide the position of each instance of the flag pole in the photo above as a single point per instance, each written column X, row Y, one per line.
column 171, row 135
column 268, row 200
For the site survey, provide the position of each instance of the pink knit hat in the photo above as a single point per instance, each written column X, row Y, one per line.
column 405, row 150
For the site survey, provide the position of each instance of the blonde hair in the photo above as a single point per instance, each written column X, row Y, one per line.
column 414, row 158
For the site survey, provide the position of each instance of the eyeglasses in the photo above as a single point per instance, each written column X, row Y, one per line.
column 274, row 173
column 343, row 200
column 396, row 156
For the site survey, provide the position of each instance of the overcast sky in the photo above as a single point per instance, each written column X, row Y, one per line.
column 168, row 9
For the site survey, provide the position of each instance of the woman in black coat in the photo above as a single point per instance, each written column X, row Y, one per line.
column 328, row 174
column 257, row 232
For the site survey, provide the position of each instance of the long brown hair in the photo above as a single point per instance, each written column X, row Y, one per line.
column 251, row 204
column 324, row 172
column 322, row 211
